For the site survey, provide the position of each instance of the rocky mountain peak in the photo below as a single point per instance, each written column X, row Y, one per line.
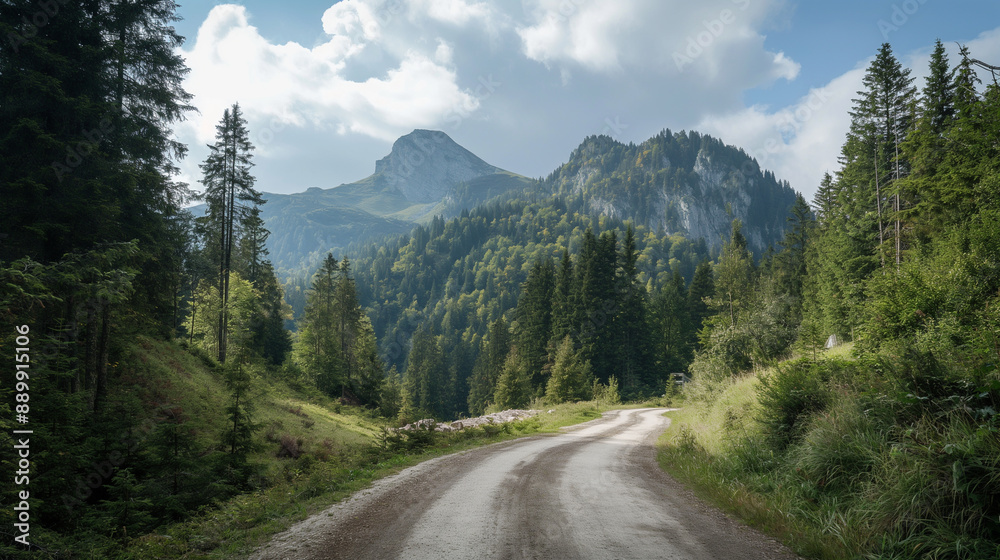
column 426, row 165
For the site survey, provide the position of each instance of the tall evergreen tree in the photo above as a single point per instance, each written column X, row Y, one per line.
column 701, row 290
column 881, row 118
column 513, row 388
column 562, row 299
column 734, row 276
column 426, row 375
column 533, row 320
column 925, row 147
column 488, row 367
column 632, row 328
column 571, row 378
column 317, row 348
column 674, row 331
column 790, row 263
column 230, row 195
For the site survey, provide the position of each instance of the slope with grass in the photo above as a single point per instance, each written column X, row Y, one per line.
column 847, row 458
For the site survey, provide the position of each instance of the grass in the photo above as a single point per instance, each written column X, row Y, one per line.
column 699, row 449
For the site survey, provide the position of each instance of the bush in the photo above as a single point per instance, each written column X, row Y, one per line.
column 788, row 396
column 840, row 447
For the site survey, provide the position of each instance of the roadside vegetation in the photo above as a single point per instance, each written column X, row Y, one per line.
column 887, row 447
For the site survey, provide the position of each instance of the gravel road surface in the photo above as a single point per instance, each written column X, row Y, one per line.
column 594, row 491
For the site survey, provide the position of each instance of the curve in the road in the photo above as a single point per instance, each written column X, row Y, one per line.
column 592, row 492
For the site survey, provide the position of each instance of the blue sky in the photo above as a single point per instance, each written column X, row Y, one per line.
column 327, row 86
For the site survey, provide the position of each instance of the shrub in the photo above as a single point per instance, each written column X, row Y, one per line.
column 290, row 446
column 788, row 396
column 840, row 446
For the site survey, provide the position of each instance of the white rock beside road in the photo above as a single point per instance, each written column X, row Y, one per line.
column 495, row 418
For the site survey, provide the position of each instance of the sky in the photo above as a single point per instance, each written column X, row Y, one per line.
column 327, row 86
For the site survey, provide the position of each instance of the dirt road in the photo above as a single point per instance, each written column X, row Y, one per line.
column 593, row 492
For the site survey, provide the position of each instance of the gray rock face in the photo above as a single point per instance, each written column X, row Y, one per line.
column 426, row 165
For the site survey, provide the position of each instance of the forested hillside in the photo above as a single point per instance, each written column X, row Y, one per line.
column 506, row 262
column 684, row 182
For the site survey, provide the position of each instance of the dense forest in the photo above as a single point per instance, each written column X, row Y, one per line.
column 544, row 295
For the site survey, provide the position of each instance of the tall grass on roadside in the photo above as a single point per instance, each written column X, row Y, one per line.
column 893, row 459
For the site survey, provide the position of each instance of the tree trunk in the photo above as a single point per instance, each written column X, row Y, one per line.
column 101, row 386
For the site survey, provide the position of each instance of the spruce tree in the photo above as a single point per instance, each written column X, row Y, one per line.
column 734, row 276
column 513, row 388
column 631, row 328
column 533, row 326
column 674, row 331
column 571, row 378
column 926, row 145
column 488, row 367
column 317, row 348
column 230, row 195
column 562, row 299
column 701, row 290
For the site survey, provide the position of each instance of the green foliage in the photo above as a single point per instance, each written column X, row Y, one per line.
column 425, row 381
column 513, row 389
column 571, row 378
column 603, row 172
column 788, row 396
column 488, row 368
column 607, row 394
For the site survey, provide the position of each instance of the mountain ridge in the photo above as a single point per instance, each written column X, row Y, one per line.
column 682, row 183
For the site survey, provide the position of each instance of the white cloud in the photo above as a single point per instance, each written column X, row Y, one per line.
column 230, row 61
column 717, row 40
column 800, row 142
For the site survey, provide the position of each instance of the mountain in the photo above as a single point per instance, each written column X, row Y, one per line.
column 425, row 174
column 685, row 183
column 681, row 183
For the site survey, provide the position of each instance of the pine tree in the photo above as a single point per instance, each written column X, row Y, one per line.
column 238, row 437
column 426, row 375
column 872, row 166
column 632, row 328
column 317, row 348
column 230, row 195
column 926, row 145
column 825, row 199
column 701, row 290
column 347, row 311
column 370, row 373
column 790, row 263
column 562, row 299
column 513, row 388
column 488, row 367
column 571, row 378
column 734, row 276
column 533, row 325
column 674, row 331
